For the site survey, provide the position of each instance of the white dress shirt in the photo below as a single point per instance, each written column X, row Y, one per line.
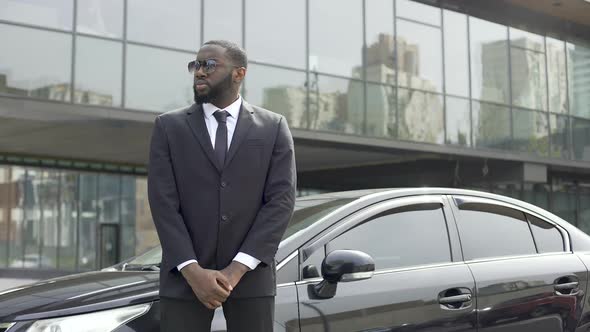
column 234, row 110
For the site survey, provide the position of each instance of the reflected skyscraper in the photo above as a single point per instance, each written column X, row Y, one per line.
column 419, row 113
column 59, row 92
column 517, row 129
column 580, row 64
column 292, row 96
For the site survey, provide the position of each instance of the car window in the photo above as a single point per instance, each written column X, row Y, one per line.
column 489, row 230
column 412, row 235
column 152, row 256
column 547, row 237
column 309, row 211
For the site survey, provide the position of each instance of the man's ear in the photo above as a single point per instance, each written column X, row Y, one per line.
column 239, row 74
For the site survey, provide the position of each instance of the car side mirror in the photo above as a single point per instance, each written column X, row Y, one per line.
column 341, row 266
column 310, row 271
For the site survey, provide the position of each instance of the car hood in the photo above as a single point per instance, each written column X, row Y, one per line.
column 78, row 293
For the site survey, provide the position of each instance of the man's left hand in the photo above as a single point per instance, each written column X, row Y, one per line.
column 234, row 272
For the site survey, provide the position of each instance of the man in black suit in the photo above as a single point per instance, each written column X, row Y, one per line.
column 221, row 187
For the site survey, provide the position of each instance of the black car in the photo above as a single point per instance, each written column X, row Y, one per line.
column 426, row 259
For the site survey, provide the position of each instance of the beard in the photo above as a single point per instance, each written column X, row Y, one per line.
column 215, row 91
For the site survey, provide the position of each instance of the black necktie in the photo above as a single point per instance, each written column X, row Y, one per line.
column 221, row 136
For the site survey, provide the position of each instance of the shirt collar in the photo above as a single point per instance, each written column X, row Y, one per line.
column 233, row 109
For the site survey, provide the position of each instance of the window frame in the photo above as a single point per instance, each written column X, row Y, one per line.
column 455, row 205
column 361, row 216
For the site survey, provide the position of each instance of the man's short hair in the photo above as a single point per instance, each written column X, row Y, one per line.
column 233, row 51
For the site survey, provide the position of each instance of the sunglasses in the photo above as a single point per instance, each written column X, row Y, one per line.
column 208, row 66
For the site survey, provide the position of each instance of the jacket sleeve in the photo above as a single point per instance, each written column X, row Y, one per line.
column 164, row 202
column 263, row 238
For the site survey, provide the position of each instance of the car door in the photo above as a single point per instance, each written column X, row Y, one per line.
column 420, row 282
column 526, row 275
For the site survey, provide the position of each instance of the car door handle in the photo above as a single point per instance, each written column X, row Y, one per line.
column 455, row 299
column 566, row 286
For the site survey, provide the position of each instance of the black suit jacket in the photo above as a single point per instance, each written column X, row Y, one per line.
column 212, row 212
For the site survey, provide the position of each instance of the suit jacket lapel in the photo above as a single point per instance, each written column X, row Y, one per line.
column 196, row 121
column 244, row 123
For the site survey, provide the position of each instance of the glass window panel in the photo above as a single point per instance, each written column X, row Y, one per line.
column 563, row 200
column 489, row 61
column 17, row 181
column 419, row 56
column 48, row 192
column 584, row 211
column 336, row 104
column 491, row 125
column 380, row 41
column 528, row 40
column 179, row 24
column 128, row 216
column 68, row 220
column 547, row 237
column 88, row 205
column 127, row 240
column 145, row 230
column 578, row 58
column 336, row 37
column 529, row 87
column 227, row 26
column 400, row 239
column 52, row 14
column 417, row 11
column 381, row 117
column 536, row 194
column 287, row 35
column 531, row 132
column 279, row 90
column 109, row 198
column 556, row 67
column 100, row 17
column 7, row 201
column 458, row 121
column 20, row 52
column 95, row 84
column 456, row 54
column 128, row 186
column 507, row 189
column 420, row 116
column 128, row 209
column 559, row 136
column 169, row 85
column 581, row 138
column 34, row 229
column 483, row 226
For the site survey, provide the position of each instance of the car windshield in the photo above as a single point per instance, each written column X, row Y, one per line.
column 307, row 211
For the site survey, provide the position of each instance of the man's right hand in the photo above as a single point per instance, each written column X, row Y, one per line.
column 210, row 286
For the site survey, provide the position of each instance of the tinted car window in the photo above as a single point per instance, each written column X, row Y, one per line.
column 413, row 235
column 547, row 237
column 489, row 230
column 309, row 211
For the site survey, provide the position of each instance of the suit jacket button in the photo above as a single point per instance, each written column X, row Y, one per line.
column 224, row 217
column 223, row 184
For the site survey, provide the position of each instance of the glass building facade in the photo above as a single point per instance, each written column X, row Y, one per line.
column 396, row 70
column 53, row 218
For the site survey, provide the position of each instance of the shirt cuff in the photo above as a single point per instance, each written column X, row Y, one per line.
column 181, row 265
column 247, row 260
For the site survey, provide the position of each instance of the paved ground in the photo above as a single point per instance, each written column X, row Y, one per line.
column 6, row 283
